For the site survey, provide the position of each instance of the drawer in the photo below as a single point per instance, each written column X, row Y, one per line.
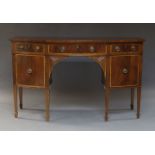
column 77, row 48
column 30, row 70
column 124, row 71
column 30, row 47
column 125, row 48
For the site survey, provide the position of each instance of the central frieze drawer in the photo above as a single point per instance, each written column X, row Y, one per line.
column 77, row 48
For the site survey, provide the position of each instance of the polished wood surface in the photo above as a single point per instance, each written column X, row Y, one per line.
column 30, row 70
column 120, row 60
column 76, row 48
column 126, row 72
column 75, row 39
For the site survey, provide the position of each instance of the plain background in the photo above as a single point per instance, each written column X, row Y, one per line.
column 78, row 142
column 77, row 99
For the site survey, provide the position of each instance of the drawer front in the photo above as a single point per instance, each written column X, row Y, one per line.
column 124, row 71
column 77, row 48
column 30, row 47
column 30, row 70
column 125, row 48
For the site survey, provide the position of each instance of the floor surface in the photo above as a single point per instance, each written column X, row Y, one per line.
column 76, row 109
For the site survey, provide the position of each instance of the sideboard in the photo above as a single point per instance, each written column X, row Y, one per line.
column 120, row 60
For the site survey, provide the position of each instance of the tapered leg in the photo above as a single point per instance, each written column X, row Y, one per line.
column 21, row 98
column 138, row 101
column 15, row 101
column 107, row 91
column 47, row 102
column 132, row 99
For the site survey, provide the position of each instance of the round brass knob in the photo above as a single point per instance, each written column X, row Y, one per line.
column 29, row 71
column 77, row 47
column 92, row 49
column 21, row 47
column 117, row 48
column 37, row 48
column 133, row 48
column 62, row 49
column 125, row 71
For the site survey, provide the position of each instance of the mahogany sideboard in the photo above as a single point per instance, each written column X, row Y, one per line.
column 120, row 60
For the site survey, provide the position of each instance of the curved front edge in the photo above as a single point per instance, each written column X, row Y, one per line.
column 101, row 61
column 51, row 62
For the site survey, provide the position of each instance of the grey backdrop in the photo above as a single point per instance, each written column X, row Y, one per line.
column 76, row 82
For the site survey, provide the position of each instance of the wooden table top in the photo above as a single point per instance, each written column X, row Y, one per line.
column 72, row 40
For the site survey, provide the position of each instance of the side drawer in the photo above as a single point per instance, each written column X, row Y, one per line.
column 28, row 47
column 124, row 71
column 30, row 70
column 125, row 48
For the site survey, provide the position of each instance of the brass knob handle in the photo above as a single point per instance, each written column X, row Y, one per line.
column 29, row 71
column 62, row 49
column 125, row 71
column 37, row 48
column 133, row 48
column 77, row 47
column 117, row 48
column 21, row 47
column 92, row 49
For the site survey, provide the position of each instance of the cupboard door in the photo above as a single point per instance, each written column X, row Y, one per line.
column 30, row 70
column 124, row 71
